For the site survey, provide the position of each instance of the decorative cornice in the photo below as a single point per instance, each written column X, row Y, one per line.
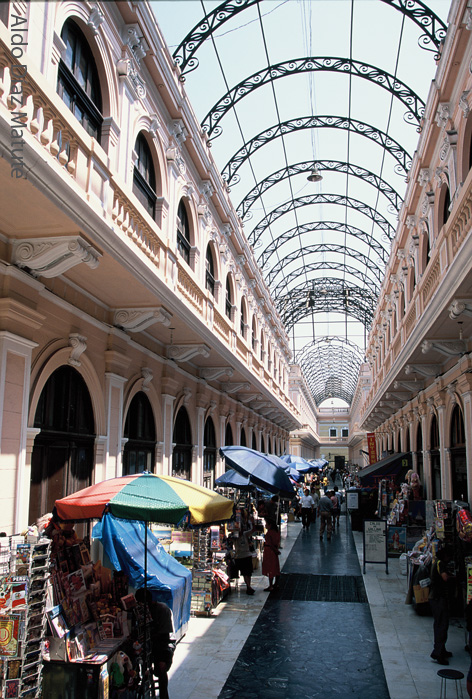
column 138, row 319
column 50, row 257
column 428, row 370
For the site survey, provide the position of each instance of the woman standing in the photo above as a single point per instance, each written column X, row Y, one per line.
column 270, row 557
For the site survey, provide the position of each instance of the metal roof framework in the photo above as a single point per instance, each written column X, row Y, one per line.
column 330, row 263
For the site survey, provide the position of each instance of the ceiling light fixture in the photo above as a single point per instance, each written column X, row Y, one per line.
column 314, row 175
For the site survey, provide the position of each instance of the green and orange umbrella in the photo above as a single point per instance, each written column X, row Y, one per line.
column 147, row 497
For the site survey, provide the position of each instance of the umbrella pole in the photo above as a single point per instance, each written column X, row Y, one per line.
column 147, row 667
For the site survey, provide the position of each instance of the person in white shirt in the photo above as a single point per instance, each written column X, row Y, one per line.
column 307, row 503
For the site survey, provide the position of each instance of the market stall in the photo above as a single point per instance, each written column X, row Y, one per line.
column 109, row 635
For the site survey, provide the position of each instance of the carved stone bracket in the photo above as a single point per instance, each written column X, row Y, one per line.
column 126, row 72
column 78, row 343
column 137, row 319
column 132, row 37
column 213, row 373
column 184, row 353
column 459, row 306
column 424, row 176
column 50, row 257
column 442, row 114
column 423, row 369
column 413, row 386
column 235, row 386
column 147, row 376
column 449, row 348
column 95, row 19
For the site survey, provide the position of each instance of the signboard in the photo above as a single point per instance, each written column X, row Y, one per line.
column 372, row 448
column 375, row 542
column 352, row 500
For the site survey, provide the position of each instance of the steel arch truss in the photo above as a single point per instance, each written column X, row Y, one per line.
column 297, row 66
column 314, row 226
column 331, row 368
column 350, row 253
column 184, row 56
column 243, row 210
column 326, row 295
column 229, row 172
column 338, row 199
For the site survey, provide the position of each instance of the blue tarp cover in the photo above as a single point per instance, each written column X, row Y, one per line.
column 169, row 581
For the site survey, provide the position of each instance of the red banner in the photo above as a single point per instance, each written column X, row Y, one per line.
column 371, row 446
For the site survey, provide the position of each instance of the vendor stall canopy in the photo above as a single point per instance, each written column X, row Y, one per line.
column 312, row 109
column 149, row 498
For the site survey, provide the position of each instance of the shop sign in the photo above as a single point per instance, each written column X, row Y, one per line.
column 375, row 542
column 371, row 448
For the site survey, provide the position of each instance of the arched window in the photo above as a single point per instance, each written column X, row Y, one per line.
column 254, row 441
column 144, row 178
column 262, row 353
column 63, row 454
column 182, row 438
column 435, row 459
column 243, row 320
column 262, row 444
column 209, row 454
column 254, row 333
column 140, row 430
column 228, row 436
column 209, row 272
column 419, row 453
column 446, row 205
column 183, row 233
column 243, row 437
column 77, row 80
column 229, row 298
column 458, row 456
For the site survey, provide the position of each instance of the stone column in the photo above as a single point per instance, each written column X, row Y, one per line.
column 15, row 373
column 446, row 487
column 464, row 387
column 114, row 408
column 168, row 429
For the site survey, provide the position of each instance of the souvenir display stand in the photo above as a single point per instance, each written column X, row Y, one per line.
column 210, row 582
column 24, row 571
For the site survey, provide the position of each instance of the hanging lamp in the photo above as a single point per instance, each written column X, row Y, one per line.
column 314, row 175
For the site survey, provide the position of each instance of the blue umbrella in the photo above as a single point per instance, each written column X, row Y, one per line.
column 302, row 465
column 265, row 470
column 233, row 479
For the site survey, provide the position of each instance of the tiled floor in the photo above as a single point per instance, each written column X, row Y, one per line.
column 214, row 649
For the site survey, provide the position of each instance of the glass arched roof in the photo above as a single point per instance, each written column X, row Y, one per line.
column 282, row 87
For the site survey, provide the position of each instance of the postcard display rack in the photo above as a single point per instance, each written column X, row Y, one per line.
column 24, row 569
column 210, row 583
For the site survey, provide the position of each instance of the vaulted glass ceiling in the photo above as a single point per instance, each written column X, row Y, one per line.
column 285, row 88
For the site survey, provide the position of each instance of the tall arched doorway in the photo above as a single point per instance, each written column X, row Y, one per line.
column 458, row 457
column 254, row 441
column 435, row 460
column 140, row 430
column 182, row 438
column 262, row 444
column 243, row 437
column 63, row 455
column 209, row 454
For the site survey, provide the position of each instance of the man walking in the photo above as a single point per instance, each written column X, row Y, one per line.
column 325, row 509
column 307, row 504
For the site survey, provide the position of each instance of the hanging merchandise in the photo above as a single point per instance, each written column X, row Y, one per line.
column 464, row 525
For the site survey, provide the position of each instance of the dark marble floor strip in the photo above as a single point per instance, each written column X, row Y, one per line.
column 301, row 649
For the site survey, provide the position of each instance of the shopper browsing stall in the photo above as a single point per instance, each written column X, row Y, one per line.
column 439, row 600
column 243, row 553
column 270, row 558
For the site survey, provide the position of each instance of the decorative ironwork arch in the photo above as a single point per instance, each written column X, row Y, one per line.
column 326, row 295
column 353, row 254
column 297, row 66
column 380, row 184
column 229, row 172
column 334, row 266
column 331, row 367
column 321, row 198
column 184, row 56
column 286, row 236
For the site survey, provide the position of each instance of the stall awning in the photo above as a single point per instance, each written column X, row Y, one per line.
column 394, row 467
